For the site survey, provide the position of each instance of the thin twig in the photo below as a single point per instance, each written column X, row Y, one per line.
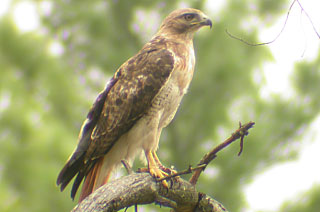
column 187, row 171
column 304, row 35
column 239, row 133
column 283, row 27
column 265, row 43
column 314, row 28
column 127, row 166
column 241, row 140
column 241, row 145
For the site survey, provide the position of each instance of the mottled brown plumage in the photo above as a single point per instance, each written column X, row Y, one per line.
column 141, row 99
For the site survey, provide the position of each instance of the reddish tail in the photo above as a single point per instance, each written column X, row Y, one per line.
column 93, row 179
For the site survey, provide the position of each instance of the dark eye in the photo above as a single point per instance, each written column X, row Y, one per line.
column 189, row 17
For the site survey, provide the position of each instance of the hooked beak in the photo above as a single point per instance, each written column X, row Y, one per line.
column 206, row 22
column 203, row 20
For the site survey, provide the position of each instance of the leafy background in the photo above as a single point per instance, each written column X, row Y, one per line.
column 44, row 98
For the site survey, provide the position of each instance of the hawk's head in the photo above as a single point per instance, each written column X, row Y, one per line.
column 184, row 21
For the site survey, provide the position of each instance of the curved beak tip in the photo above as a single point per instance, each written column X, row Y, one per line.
column 206, row 22
column 209, row 23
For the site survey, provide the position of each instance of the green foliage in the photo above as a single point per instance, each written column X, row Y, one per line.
column 45, row 98
column 308, row 201
column 306, row 80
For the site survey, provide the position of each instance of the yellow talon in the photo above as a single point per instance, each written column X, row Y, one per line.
column 158, row 173
column 154, row 167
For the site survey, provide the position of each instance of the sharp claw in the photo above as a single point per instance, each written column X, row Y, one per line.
column 167, row 170
column 156, row 169
column 165, row 184
column 158, row 173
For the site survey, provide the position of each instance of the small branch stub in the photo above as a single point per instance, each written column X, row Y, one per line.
column 127, row 166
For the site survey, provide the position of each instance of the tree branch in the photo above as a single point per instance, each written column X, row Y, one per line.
column 141, row 188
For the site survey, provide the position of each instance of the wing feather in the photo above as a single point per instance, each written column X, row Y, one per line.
column 139, row 80
column 75, row 162
column 125, row 100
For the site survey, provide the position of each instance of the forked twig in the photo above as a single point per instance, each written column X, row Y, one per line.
column 187, row 171
column 239, row 133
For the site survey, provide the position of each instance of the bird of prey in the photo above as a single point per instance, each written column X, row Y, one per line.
column 138, row 102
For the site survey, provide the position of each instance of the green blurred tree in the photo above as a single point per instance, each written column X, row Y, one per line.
column 44, row 98
column 309, row 201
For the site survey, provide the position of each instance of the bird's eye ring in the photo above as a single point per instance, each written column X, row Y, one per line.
column 189, row 17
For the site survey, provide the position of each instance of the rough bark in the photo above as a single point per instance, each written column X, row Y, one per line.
column 141, row 188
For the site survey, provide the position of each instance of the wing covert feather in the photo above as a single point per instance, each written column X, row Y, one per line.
column 137, row 82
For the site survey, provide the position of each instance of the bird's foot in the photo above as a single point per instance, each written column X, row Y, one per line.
column 158, row 173
column 167, row 170
column 162, row 167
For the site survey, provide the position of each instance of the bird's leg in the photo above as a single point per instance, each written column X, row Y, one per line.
column 162, row 167
column 154, row 169
column 154, row 154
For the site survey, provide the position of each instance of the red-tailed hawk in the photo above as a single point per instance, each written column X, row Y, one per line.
column 139, row 101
